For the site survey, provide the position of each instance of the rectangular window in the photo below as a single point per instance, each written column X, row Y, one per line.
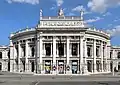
column 74, row 49
column 48, row 49
column 61, row 49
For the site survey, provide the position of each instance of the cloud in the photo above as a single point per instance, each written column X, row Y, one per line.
column 115, row 31
column 59, row 2
column 116, row 20
column 93, row 20
column 102, row 5
column 79, row 8
column 107, row 14
column 33, row 2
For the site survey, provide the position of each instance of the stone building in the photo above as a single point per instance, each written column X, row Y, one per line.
column 4, row 60
column 60, row 45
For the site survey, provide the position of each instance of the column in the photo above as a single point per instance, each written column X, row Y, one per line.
column 101, row 53
column 26, row 56
column 105, row 51
column 81, row 55
column 78, row 50
column 85, row 56
column 68, row 55
column 19, row 56
column 15, row 56
column 41, row 55
column 51, row 49
column 108, row 54
column 94, row 55
column 11, row 56
column 54, row 54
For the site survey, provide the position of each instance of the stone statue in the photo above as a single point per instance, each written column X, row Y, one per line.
column 40, row 12
column 81, row 14
column 60, row 12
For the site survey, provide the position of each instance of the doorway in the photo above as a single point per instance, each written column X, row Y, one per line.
column 33, row 67
column 47, row 66
column 61, row 66
column 89, row 66
column 74, row 67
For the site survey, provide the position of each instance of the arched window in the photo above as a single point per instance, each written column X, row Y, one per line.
column 118, row 54
column 1, row 55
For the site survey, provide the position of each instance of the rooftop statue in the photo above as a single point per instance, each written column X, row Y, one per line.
column 60, row 12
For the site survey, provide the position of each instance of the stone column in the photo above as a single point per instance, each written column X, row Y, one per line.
column 26, row 56
column 94, row 55
column 105, row 51
column 81, row 55
column 11, row 56
column 41, row 55
column 108, row 54
column 54, row 54
column 51, row 50
column 15, row 56
column 19, row 56
column 85, row 56
column 101, row 53
column 68, row 55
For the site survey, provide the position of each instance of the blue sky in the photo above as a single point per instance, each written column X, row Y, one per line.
column 18, row 14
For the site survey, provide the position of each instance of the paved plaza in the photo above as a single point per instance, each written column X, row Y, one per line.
column 30, row 79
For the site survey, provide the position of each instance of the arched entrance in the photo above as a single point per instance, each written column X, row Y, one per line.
column 0, row 66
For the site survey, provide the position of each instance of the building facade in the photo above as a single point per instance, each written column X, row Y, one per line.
column 60, row 45
column 4, row 59
column 115, row 58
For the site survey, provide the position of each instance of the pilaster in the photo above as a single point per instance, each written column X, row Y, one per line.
column 41, row 55
column 101, row 48
column 54, row 53
column 94, row 55
column 81, row 55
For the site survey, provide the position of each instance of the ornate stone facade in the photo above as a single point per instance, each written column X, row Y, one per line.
column 4, row 59
column 60, row 45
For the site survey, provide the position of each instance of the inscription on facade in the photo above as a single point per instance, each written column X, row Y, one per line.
column 65, row 23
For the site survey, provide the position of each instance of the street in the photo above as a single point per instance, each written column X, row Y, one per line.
column 29, row 79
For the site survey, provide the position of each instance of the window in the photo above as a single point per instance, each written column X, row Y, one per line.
column 48, row 49
column 24, row 51
column 74, row 49
column 1, row 55
column 118, row 54
column 61, row 49
column 33, row 51
column 97, row 51
column 88, row 51
column 110, row 55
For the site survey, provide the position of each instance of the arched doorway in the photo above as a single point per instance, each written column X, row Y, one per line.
column 0, row 66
